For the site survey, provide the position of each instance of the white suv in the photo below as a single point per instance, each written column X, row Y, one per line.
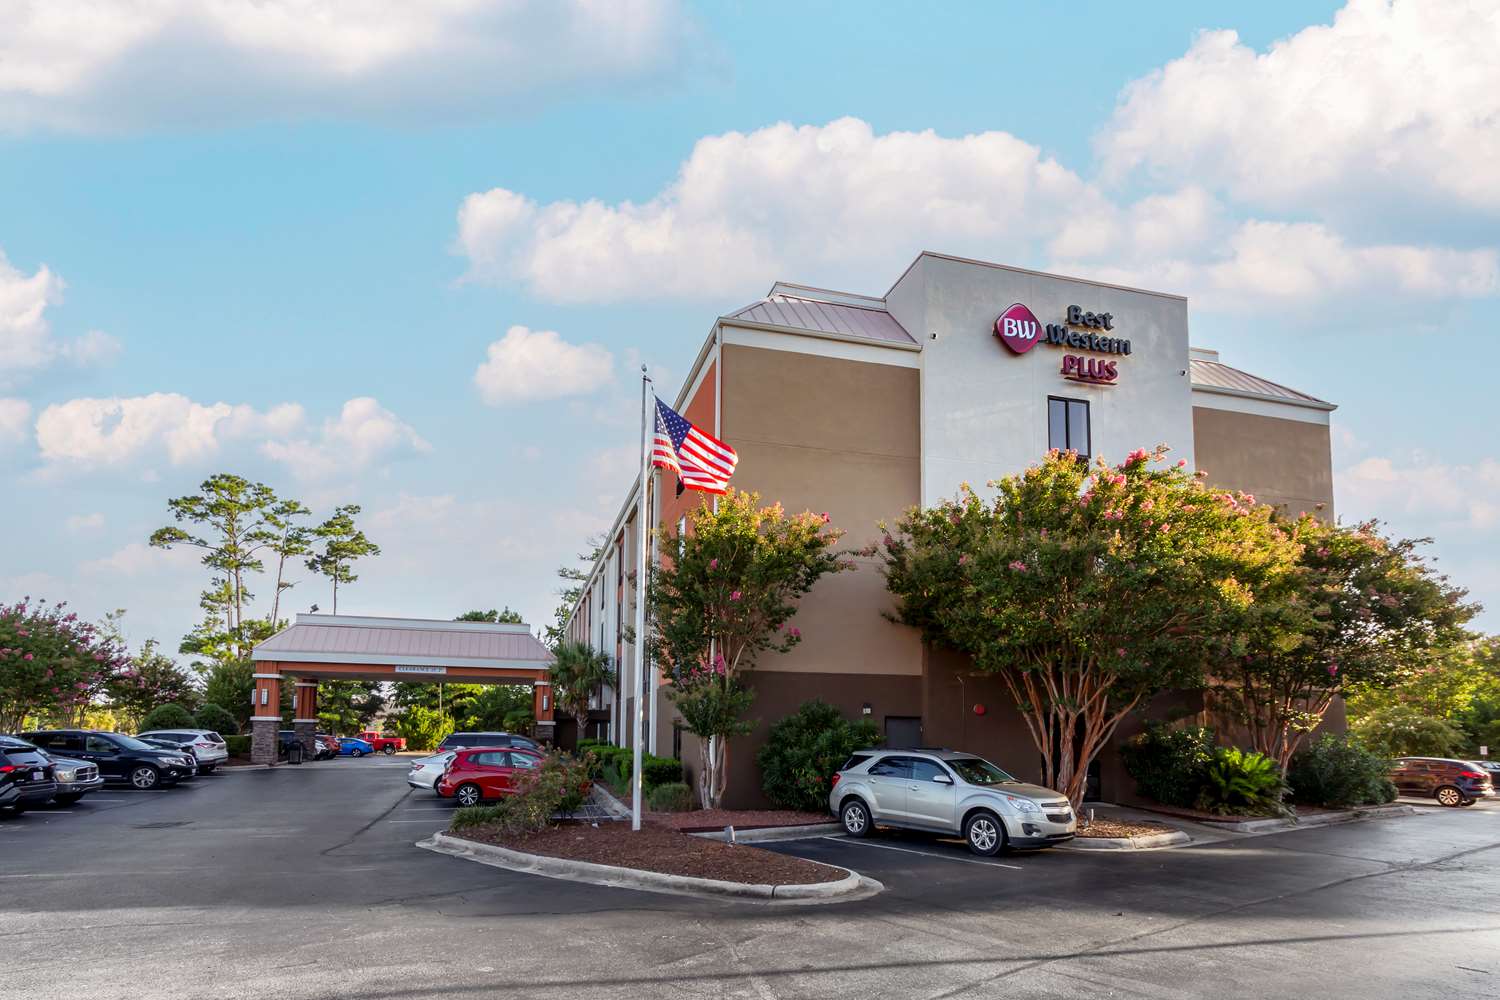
column 945, row 791
column 207, row 747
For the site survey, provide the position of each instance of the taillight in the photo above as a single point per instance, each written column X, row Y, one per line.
column 7, row 768
column 204, row 744
column 1471, row 774
column 836, row 778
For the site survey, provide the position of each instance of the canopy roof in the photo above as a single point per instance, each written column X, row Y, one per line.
column 351, row 639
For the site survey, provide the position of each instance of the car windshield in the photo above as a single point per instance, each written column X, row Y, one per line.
column 978, row 771
column 130, row 743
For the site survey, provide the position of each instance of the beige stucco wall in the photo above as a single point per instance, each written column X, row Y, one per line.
column 826, row 434
column 1283, row 462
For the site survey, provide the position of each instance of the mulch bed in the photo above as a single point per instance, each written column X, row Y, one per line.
column 1122, row 828
column 1207, row 817
column 704, row 820
column 656, row 848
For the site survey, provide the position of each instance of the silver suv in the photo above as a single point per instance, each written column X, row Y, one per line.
column 946, row 791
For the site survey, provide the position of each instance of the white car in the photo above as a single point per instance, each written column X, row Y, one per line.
column 425, row 771
column 207, row 747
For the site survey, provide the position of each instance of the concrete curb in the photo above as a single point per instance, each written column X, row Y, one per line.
column 851, row 886
column 1317, row 819
column 772, row 833
column 1149, row 842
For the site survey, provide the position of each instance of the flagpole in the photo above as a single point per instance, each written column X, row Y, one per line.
column 642, row 513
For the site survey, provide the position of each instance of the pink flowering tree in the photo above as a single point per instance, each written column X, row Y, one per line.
column 1361, row 611
column 725, row 597
column 52, row 665
column 1085, row 589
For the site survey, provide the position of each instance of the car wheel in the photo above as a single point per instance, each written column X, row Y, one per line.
column 984, row 833
column 390, row 748
column 356, row 752
column 856, row 818
column 145, row 778
column 66, row 800
column 15, row 810
column 207, row 769
column 468, row 794
column 1449, row 796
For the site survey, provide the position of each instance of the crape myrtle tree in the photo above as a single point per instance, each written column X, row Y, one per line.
column 52, row 664
column 148, row 679
column 1085, row 589
column 1360, row 611
column 725, row 597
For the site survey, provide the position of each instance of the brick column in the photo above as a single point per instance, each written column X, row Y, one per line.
column 542, row 708
column 265, row 718
column 305, row 716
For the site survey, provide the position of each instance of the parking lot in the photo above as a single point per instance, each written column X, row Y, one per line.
column 303, row 882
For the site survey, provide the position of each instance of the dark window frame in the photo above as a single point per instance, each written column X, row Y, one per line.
column 1088, row 419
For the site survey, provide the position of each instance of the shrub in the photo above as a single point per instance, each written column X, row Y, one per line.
column 1402, row 730
column 238, row 746
column 1240, row 782
column 805, row 749
column 657, row 771
column 168, row 716
column 422, row 728
column 217, row 718
column 1169, row 765
column 1339, row 771
column 559, row 785
column 673, row 796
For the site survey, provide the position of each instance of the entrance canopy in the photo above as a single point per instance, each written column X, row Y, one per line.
column 350, row 647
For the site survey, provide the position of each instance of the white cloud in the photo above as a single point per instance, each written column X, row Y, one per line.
column 14, row 415
column 1424, row 491
column 1398, row 98
column 527, row 365
column 832, row 204
column 363, row 433
column 26, row 340
column 129, row 64
column 139, row 559
column 85, row 522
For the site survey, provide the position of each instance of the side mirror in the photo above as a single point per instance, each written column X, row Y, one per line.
column 942, row 779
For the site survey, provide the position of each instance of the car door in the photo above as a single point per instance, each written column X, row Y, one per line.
column 103, row 752
column 888, row 778
column 1400, row 776
column 517, row 763
column 930, row 794
column 490, row 772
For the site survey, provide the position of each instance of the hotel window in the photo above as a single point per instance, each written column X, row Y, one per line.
column 1068, row 425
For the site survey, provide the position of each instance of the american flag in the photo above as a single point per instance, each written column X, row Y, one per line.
column 700, row 461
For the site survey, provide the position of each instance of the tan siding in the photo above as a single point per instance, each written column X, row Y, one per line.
column 1282, row 462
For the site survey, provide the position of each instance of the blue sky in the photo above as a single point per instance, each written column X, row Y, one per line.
column 328, row 226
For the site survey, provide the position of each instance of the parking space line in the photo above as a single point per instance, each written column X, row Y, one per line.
column 925, row 854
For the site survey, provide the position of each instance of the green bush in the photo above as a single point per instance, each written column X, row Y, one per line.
column 422, row 728
column 1169, row 765
column 672, row 797
column 217, row 718
column 657, row 771
column 1403, row 730
column 168, row 716
column 803, row 752
column 1242, row 782
column 238, row 746
column 613, row 765
column 559, row 785
column 1337, row 772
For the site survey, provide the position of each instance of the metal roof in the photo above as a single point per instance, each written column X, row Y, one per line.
column 410, row 641
column 817, row 316
column 1215, row 376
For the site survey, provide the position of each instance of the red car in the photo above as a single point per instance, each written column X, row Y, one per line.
column 386, row 743
column 480, row 773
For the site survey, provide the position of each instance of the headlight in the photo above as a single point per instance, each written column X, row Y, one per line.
column 64, row 775
column 1023, row 805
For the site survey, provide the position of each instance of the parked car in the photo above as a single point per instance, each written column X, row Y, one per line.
column 327, row 746
column 75, row 779
column 949, row 792
column 484, row 773
column 1450, row 782
column 425, row 771
column 353, row 746
column 457, row 741
column 206, row 746
column 170, row 745
column 121, row 759
column 27, row 775
column 1493, row 767
column 386, row 743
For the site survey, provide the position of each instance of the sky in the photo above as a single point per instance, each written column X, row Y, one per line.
column 412, row 256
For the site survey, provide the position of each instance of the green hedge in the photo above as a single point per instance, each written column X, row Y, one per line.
column 168, row 716
column 238, row 746
column 1339, row 772
column 217, row 718
column 671, row 797
column 615, row 764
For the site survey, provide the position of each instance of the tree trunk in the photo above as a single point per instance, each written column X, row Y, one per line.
column 711, row 774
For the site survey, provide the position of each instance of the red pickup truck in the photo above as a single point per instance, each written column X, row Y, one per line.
column 383, row 742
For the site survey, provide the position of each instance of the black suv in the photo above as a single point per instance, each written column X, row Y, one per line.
column 26, row 777
column 121, row 759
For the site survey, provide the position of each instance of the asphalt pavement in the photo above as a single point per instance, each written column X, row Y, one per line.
column 302, row 882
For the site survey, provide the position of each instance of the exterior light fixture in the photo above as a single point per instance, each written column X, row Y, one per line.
column 866, row 710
